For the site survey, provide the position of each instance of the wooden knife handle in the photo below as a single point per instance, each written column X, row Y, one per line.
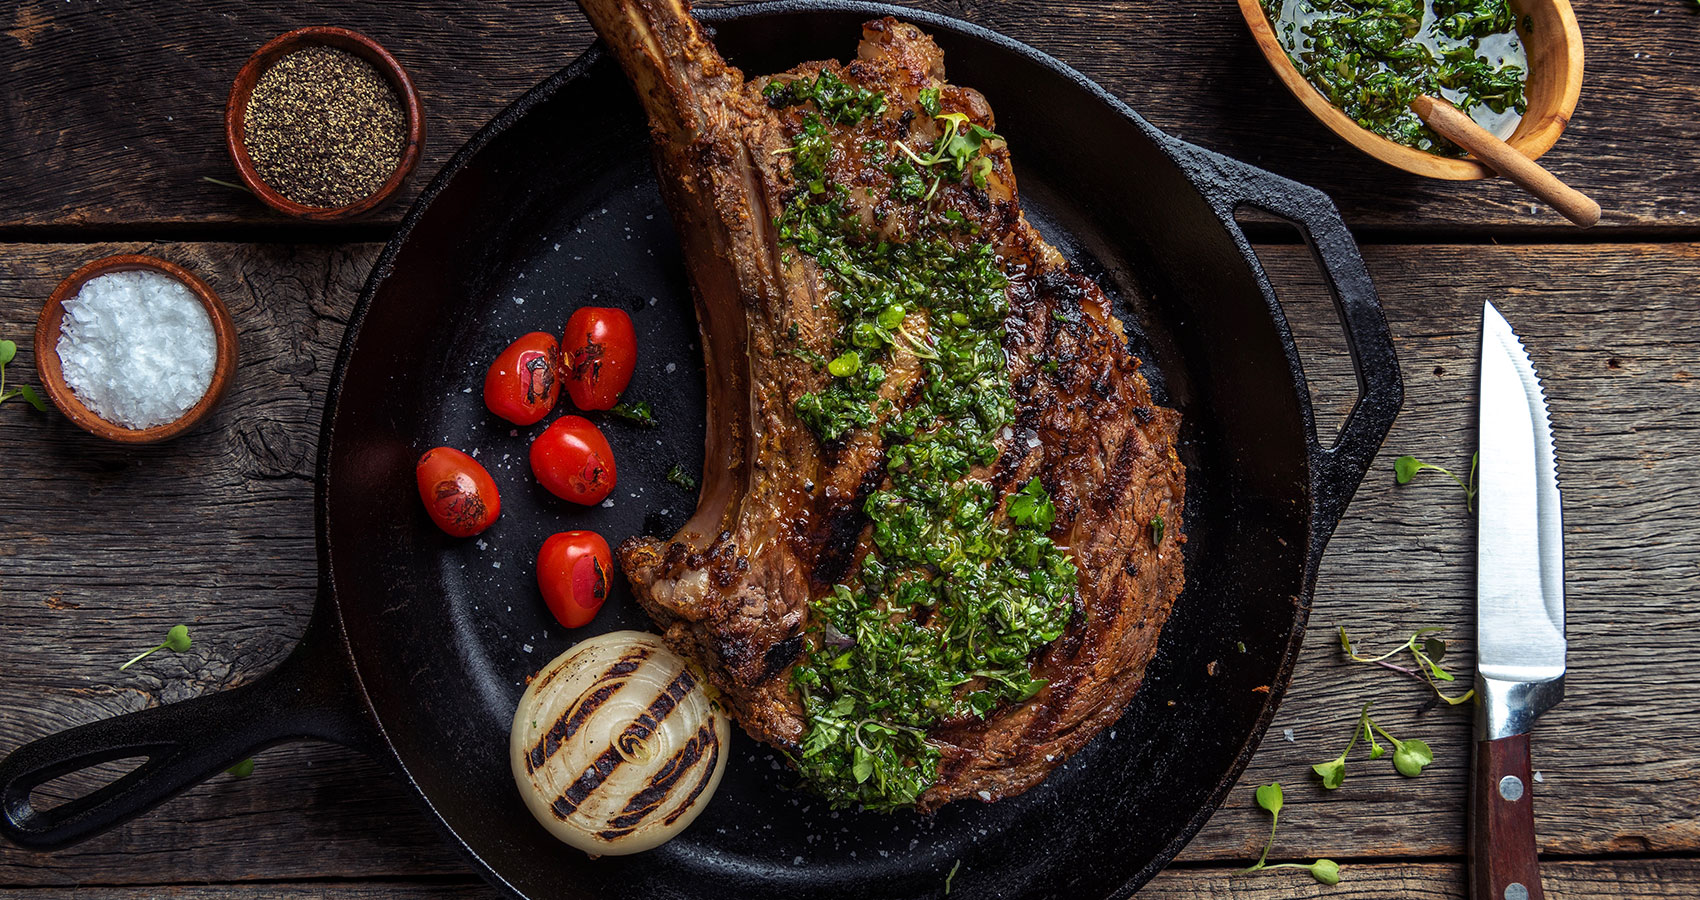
column 1503, row 864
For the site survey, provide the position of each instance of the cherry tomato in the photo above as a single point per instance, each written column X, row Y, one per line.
column 598, row 353
column 521, row 385
column 575, row 572
column 459, row 495
column 573, row 460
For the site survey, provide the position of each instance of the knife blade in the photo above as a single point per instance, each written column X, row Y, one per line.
column 1520, row 639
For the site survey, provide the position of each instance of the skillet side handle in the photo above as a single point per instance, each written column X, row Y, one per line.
column 312, row 694
column 1381, row 389
column 1336, row 471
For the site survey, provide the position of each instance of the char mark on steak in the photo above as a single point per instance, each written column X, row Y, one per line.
column 783, row 519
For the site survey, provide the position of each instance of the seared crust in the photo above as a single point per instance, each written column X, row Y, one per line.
column 781, row 519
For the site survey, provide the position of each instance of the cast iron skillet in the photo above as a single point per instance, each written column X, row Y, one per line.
column 418, row 644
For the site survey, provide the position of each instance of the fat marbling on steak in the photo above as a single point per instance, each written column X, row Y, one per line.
column 797, row 198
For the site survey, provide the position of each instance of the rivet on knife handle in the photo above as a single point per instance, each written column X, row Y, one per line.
column 1504, row 865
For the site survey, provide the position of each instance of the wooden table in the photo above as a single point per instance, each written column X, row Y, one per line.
column 110, row 116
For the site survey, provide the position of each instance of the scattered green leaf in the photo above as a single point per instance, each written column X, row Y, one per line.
column 1333, row 772
column 1324, row 870
column 176, row 640
column 1409, row 757
column 1156, row 530
column 31, row 397
column 1406, row 467
column 1426, row 652
column 680, row 477
column 638, row 413
column 242, row 769
column 9, row 352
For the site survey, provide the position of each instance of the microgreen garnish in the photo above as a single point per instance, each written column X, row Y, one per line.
column 955, row 149
column 638, row 413
column 680, row 477
column 1406, row 467
column 1334, row 771
column 1324, row 870
column 1426, row 650
column 1156, row 530
column 242, row 769
column 1409, row 757
column 177, row 639
column 952, row 876
column 9, row 350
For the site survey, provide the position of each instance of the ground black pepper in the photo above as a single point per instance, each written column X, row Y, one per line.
column 324, row 128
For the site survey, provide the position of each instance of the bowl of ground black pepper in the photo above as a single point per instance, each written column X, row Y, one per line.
column 323, row 124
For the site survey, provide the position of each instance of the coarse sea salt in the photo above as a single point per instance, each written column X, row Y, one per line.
column 137, row 348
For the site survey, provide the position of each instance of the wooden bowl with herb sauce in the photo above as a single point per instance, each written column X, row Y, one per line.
column 1368, row 56
column 323, row 124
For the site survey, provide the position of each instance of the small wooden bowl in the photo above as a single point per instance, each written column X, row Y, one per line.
column 236, row 113
column 53, row 378
column 1554, row 46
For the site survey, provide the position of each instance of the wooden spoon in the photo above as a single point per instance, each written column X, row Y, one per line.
column 1456, row 126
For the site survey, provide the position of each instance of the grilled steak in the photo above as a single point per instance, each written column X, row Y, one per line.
column 940, row 528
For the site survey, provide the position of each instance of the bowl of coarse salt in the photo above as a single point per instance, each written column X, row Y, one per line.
column 134, row 349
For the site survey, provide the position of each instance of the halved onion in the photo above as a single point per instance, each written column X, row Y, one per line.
column 616, row 747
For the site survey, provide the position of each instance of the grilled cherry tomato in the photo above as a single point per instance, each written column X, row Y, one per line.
column 521, row 385
column 598, row 353
column 459, row 495
column 573, row 460
column 575, row 572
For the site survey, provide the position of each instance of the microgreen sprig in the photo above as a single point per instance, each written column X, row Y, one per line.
column 1324, row 870
column 1333, row 772
column 177, row 639
column 1425, row 650
column 8, row 351
column 1406, row 467
column 1409, row 757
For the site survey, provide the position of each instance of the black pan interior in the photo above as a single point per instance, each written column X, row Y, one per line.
column 555, row 206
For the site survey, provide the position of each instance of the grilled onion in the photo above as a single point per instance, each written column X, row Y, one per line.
column 616, row 746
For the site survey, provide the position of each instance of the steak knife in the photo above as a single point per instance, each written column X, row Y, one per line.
column 1520, row 642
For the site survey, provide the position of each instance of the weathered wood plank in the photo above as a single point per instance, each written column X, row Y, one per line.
column 102, row 548
column 75, row 150
column 1623, row 879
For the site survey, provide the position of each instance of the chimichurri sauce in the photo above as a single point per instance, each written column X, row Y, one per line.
column 1371, row 58
column 958, row 590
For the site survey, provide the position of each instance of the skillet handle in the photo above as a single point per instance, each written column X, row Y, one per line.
column 312, row 694
column 1336, row 471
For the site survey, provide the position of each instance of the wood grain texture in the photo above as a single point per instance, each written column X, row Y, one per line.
column 111, row 112
column 1627, row 879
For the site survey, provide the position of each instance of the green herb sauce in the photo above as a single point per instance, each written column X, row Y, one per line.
column 1371, row 58
column 955, row 595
